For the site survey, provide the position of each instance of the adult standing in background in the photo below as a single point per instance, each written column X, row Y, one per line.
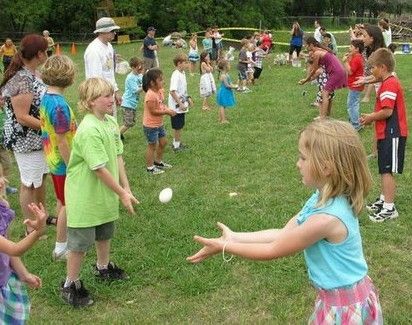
column 7, row 51
column 296, row 41
column 386, row 31
column 23, row 90
column 50, row 42
column 318, row 34
column 149, row 49
column 99, row 57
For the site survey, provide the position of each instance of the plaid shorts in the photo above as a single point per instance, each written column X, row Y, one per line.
column 356, row 304
column 14, row 302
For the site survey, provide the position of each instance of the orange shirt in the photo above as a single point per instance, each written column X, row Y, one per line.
column 149, row 119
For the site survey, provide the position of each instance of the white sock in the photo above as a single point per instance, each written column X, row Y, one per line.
column 382, row 197
column 388, row 206
column 101, row 267
column 151, row 167
column 68, row 282
column 176, row 144
column 60, row 247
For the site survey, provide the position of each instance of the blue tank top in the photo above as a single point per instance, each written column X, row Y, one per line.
column 334, row 265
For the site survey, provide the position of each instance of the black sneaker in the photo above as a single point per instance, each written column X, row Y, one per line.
column 113, row 272
column 155, row 171
column 76, row 294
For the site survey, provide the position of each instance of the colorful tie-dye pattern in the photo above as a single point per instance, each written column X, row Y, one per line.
column 56, row 117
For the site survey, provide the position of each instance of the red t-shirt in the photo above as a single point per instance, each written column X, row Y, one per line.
column 356, row 67
column 390, row 95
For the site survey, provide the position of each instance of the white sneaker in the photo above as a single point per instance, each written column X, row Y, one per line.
column 60, row 257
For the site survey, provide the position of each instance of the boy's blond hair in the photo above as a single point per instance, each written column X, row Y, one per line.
column 58, row 71
column 337, row 158
column 382, row 56
column 91, row 89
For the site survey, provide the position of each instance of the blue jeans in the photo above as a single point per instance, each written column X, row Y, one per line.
column 353, row 108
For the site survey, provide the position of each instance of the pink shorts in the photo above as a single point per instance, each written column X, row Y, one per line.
column 58, row 182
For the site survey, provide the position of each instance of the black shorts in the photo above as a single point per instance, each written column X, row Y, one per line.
column 178, row 121
column 257, row 72
column 294, row 48
column 391, row 154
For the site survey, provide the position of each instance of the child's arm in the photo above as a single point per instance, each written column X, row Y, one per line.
column 126, row 197
column 124, row 182
column 225, row 81
column 383, row 114
column 291, row 239
column 33, row 281
column 39, row 224
column 156, row 109
column 64, row 147
column 177, row 99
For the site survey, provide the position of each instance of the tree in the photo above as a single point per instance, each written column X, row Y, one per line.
column 20, row 15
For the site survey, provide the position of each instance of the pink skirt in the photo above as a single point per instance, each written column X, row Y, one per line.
column 356, row 304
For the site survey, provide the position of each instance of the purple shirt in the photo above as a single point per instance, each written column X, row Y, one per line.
column 6, row 216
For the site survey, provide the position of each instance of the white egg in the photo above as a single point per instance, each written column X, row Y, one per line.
column 165, row 195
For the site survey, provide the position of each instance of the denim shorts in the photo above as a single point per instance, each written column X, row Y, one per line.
column 154, row 134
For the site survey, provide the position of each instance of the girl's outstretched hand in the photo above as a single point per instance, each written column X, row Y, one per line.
column 211, row 246
column 39, row 213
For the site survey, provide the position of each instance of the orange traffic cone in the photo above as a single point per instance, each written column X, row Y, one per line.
column 73, row 50
column 58, row 50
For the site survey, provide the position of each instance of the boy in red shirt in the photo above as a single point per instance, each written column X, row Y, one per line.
column 353, row 63
column 391, row 131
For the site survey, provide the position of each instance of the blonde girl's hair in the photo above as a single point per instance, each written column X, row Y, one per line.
column 58, row 71
column 338, row 159
column 91, row 89
column 222, row 65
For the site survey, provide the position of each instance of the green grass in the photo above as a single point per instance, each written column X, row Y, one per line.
column 255, row 156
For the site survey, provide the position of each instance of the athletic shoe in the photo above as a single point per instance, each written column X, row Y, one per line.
column 76, row 294
column 154, row 171
column 11, row 190
column 60, row 257
column 113, row 272
column 162, row 165
column 181, row 147
column 376, row 206
column 384, row 214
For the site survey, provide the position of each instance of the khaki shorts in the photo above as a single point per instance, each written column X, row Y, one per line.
column 80, row 239
column 149, row 63
column 129, row 117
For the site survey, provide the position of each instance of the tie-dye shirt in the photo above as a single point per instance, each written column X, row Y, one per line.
column 56, row 117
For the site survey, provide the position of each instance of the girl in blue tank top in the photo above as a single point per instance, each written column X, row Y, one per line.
column 333, row 162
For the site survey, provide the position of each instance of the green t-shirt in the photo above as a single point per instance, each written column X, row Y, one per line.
column 89, row 202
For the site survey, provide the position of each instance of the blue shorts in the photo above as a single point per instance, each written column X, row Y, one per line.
column 391, row 155
column 178, row 121
column 154, row 134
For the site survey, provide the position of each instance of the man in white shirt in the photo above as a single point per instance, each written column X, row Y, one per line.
column 318, row 34
column 99, row 57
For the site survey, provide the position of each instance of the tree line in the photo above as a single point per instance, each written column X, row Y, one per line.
column 69, row 17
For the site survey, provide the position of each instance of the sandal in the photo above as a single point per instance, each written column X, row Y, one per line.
column 51, row 221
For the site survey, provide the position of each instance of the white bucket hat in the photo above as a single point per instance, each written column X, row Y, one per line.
column 105, row 25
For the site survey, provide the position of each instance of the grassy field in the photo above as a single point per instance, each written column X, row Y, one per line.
column 255, row 155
